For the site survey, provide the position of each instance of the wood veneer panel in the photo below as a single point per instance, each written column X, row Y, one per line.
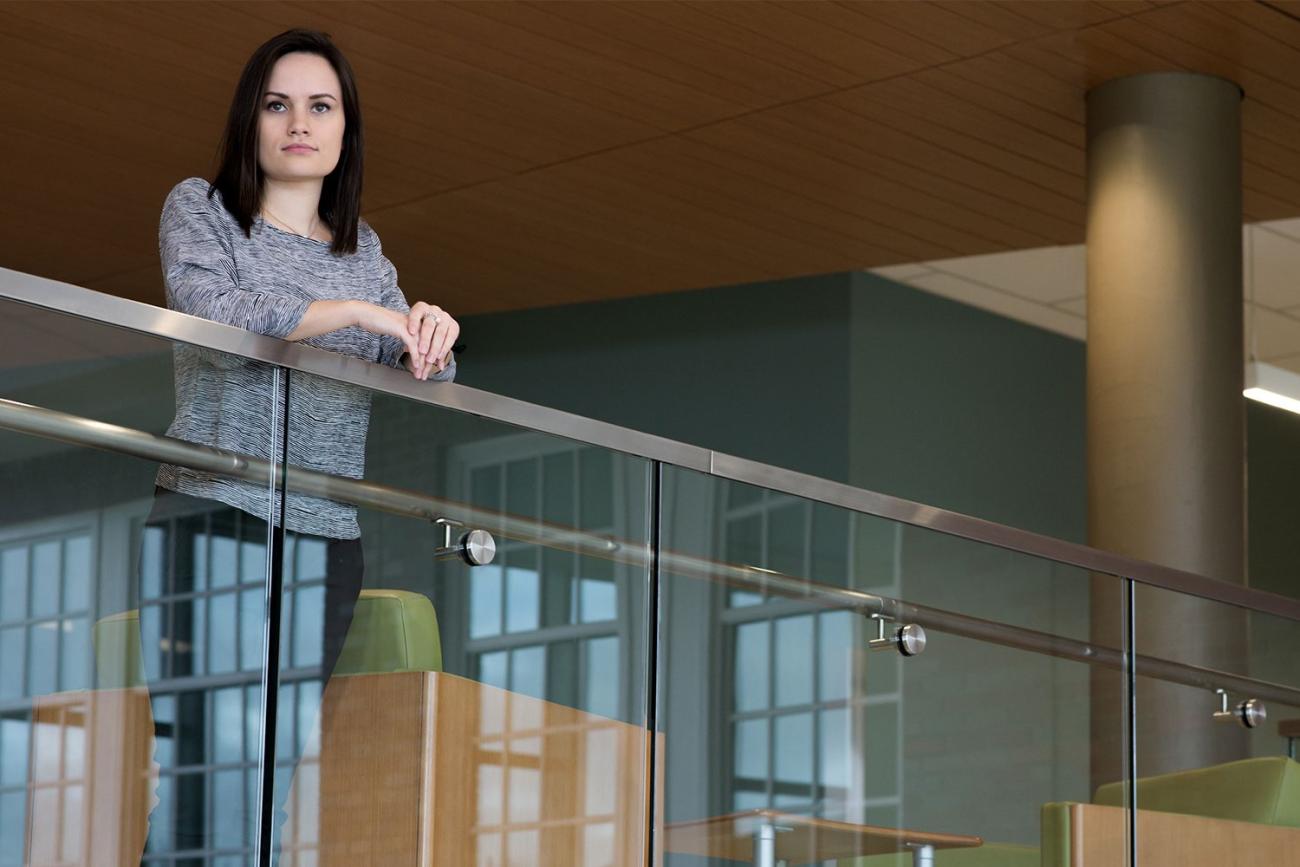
column 1099, row 838
column 525, row 154
column 90, row 779
column 424, row 768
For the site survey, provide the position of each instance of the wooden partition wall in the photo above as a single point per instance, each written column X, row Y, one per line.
column 423, row 768
column 90, row 781
column 1099, row 838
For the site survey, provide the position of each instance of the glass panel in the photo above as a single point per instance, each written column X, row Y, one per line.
column 42, row 657
column 752, row 655
column 598, row 590
column 13, row 583
column 308, row 609
column 792, row 748
column 834, row 655
column 107, row 614
column 74, row 654
column 793, row 660
column 528, row 671
column 516, row 687
column 600, row 682
column 1222, row 763
column 751, row 756
column 485, row 602
column 13, row 650
column 744, row 544
column 47, row 574
column 523, row 593
column 771, row 696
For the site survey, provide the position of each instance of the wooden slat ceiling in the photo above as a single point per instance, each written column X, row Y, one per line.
column 526, row 154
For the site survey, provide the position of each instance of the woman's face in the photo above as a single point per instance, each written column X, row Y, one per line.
column 300, row 121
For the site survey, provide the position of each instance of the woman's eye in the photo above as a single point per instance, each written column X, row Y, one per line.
column 321, row 105
column 271, row 106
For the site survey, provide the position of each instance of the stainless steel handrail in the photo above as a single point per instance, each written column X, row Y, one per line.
column 148, row 319
column 64, row 427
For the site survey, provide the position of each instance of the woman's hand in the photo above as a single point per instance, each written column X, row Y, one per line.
column 390, row 323
column 435, row 332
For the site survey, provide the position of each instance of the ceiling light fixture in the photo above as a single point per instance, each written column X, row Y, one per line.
column 1265, row 383
column 1273, row 386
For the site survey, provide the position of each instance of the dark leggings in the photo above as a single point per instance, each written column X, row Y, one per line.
column 185, row 712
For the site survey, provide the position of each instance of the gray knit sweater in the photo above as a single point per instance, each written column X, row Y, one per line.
column 265, row 283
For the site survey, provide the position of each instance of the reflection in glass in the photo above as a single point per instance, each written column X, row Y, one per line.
column 77, row 574
column 13, row 584
column 599, row 598
column 308, row 626
column 835, row 646
column 521, row 488
column 601, row 676
column 812, row 720
column 751, row 654
column 744, row 546
column 74, row 654
column 523, row 594
column 750, row 761
column 793, row 660
column 42, row 659
column 792, row 742
column 227, row 725
column 559, row 496
column 485, row 602
column 151, row 562
column 596, row 492
column 46, row 572
column 13, row 751
column 834, row 754
column 528, row 671
column 13, row 652
column 493, row 669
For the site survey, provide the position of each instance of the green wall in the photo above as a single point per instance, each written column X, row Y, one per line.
column 847, row 376
column 756, row 371
column 959, row 408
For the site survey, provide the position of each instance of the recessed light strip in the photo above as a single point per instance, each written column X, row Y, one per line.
column 1273, row 386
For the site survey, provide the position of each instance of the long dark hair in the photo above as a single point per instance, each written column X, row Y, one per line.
column 239, row 177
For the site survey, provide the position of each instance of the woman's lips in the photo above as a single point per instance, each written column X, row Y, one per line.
column 299, row 149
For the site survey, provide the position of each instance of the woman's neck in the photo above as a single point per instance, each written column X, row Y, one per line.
column 297, row 202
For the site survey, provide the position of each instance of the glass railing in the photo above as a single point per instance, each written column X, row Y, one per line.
column 510, row 636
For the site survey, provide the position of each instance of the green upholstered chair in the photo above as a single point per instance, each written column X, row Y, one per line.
column 116, row 639
column 1265, row 791
column 392, row 630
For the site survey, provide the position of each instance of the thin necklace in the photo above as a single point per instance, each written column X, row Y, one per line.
column 314, row 223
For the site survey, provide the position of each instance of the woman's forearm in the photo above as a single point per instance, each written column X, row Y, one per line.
column 322, row 317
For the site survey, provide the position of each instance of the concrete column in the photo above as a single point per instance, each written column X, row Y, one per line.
column 1166, row 451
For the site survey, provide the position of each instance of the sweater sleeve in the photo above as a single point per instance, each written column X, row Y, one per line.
column 391, row 349
column 199, row 268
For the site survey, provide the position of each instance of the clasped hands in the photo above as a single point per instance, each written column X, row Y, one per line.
column 427, row 331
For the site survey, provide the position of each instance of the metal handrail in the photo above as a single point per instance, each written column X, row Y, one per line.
column 147, row 319
column 65, row 427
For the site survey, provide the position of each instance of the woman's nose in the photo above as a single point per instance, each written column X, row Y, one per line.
column 299, row 123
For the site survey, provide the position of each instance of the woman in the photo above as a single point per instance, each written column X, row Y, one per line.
column 274, row 245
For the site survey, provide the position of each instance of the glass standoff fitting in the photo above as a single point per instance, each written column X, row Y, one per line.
column 475, row 547
column 1249, row 713
column 908, row 639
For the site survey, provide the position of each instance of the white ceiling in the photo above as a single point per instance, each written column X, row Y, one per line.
column 1046, row 287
